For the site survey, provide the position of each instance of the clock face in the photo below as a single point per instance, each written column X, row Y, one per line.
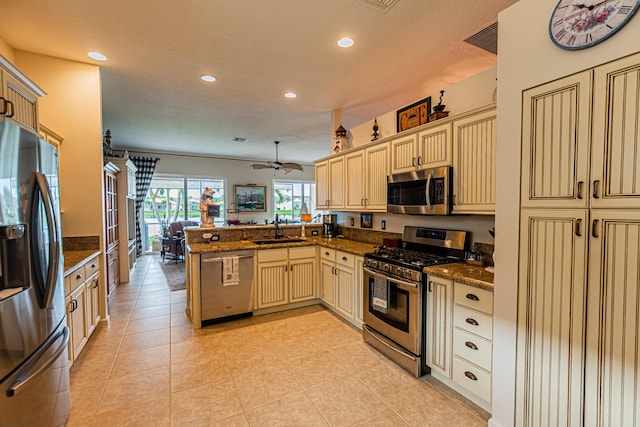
column 577, row 24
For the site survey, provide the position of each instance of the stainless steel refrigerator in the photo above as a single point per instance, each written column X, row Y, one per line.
column 34, row 366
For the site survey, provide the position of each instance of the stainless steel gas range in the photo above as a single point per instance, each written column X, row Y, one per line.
column 394, row 292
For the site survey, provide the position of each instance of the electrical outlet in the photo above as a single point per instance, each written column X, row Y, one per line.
column 215, row 238
column 353, row 221
column 314, row 232
column 383, row 224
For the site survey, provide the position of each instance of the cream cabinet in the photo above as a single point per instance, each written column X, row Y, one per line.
column 330, row 177
column 578, row 295
column 474, row 162
column 366, row 178
column 428, row 148
column 18, row 97
column 51, row 137
column 126, row 212
column 82, row 296
column 359, row 291
column 339, row 286
column 473, row 340
column 286, row 276
column 438, row 324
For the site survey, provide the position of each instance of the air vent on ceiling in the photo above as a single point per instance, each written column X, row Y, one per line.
column 486, row 39
column 238, row 139
column 381, row 5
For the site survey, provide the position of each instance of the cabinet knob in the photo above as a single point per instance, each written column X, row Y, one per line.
column 326, row 253
column 470, row 375
column 471, row 345
column 471, row 321
column 344, row 258
column 473, row 297
column 93, row 266
column 78, row 276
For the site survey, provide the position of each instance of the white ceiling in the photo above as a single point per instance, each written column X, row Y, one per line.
column 153, row 99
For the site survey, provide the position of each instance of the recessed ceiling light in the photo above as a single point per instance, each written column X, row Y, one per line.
column 290, row 95
column 345, row 42
column 208, row 78
column 97, row 56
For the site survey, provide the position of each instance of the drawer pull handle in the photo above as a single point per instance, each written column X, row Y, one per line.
column 473, row 297
column 471, row 345
column 95, row 283
column 470, row 375
column 78, row 276
column 471, row 321
column 344, row 258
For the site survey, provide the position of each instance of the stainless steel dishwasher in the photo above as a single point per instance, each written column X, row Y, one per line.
column 220, row 300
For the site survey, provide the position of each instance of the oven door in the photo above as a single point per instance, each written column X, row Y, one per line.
column 401, row 322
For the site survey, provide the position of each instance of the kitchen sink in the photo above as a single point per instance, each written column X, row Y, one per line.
column 273, row 241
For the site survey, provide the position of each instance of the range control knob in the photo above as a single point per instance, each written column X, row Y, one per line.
column 387, row 267
column 400, row 271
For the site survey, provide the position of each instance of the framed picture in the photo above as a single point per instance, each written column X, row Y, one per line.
column 366, row 220
column 413, row 115
column 250, row 198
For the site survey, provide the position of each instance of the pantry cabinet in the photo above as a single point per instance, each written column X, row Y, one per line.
column 286, row 276
column 578, row 306
column 474, row 162
column 366, row 183
column 18, row 97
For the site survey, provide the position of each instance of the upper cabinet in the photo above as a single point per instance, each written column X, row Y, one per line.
column 50, row 136
column 366, row 171
column 578, row 153
column 18, row 97
column 474, row 162
column 428, row 148
column 330, row 183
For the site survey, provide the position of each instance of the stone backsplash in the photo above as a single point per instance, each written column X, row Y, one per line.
column 367, row 236
column 81, row 243
column 251, row 232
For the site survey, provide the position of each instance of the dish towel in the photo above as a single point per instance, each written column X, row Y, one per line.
column 380, row 294
column 230, row 271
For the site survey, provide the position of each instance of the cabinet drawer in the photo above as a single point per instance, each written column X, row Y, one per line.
column 328, row 254
column 473, row 321
column 91, row 266
column 76, row 278
column 345, row 259
column 472, row 348
column 472, row 297
column 273, row 255
column 303, row 252
column 472, row 378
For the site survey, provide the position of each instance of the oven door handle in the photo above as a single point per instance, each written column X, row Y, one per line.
column 391, row 279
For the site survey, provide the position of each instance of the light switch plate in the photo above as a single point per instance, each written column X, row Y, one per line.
column 215, row 238
column 383, row 224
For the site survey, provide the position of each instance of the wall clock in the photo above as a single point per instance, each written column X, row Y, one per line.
column 577, row 24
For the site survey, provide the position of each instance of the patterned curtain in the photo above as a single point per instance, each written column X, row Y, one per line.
column 146, row 166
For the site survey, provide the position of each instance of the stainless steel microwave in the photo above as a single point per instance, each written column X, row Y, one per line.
column 423, row 192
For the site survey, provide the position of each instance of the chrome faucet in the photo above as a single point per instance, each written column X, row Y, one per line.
column 277, row 228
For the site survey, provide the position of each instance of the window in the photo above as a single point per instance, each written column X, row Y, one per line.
column 176, row 199
column 289, row 197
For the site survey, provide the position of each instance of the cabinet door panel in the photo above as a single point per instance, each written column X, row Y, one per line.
column 616, row 134
column 555, row 143
column 355, row 180
column 613, row 350
column 434, row 147
column 474, row 168
column 344, row 289
column 322, row 184
column 302, row 279
column 551, row 318
column 403, row 153
column 328, row 294
column 439, row 324
column 272, row 284
column 336, row 182
column 25, row 105
column 377, row 169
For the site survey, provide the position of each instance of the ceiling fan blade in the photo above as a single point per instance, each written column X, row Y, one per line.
column 257, row 166
column 292, row 166
column 275, row 165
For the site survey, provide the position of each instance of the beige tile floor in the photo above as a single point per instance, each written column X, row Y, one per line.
column 303, row 367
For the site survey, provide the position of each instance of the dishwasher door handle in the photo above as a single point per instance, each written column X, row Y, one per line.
column 219, row 259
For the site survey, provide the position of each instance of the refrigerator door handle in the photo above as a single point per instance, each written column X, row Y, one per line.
column 25, row 377
column 47, row 289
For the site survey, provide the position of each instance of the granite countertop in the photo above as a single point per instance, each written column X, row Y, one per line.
column 463, row 273
column 74, row 259
column 350, row 246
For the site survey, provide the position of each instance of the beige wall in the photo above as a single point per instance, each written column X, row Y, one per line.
column 7, row 51
column 473, row 92
column 72, row 108
column 526, row 58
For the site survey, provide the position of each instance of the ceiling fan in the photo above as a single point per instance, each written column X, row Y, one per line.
column 277, row 165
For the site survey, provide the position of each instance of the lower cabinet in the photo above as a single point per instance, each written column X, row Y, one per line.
column 459, row 337
column 82, row 297
column 340, row 291
column 285, row 276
